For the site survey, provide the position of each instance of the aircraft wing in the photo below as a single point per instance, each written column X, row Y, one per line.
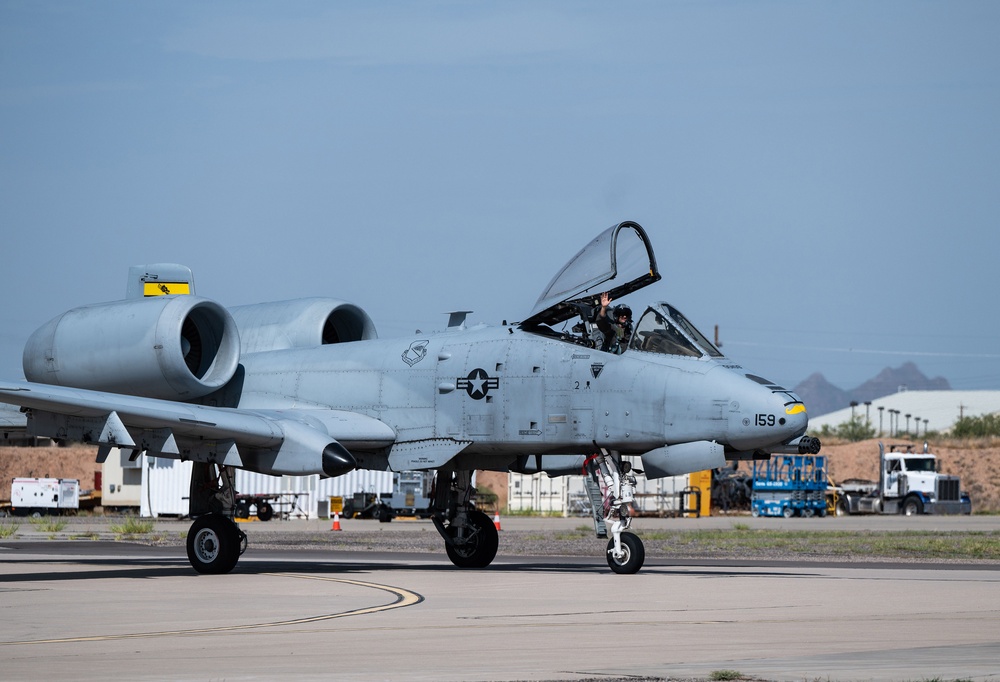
column 12, row 419
column 291, row 441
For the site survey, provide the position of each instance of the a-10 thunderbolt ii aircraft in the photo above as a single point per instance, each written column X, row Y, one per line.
column 305, row 387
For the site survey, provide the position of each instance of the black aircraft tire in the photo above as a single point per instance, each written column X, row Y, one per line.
column 635, row 554
column 265, row 512
column 482, row 549
column 213, row 544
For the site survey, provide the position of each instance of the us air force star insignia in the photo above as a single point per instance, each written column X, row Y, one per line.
column 478, row 383
column 596, row 369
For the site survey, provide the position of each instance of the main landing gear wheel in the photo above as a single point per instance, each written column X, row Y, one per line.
column 479, row 547
column 633, row 554
column 214, row 544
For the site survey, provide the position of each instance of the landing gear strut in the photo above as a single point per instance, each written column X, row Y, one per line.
column 626, row 552
column 471, row 539
column 214, row 543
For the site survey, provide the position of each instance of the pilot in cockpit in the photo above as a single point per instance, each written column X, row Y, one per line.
column 616, row 327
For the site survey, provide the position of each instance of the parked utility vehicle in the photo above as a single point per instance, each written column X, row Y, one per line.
column 909, row 483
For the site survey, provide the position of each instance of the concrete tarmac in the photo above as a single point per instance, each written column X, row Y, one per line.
column 90, row 610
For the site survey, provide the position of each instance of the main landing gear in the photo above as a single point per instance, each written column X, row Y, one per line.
column 214, row 543
column 471, row 538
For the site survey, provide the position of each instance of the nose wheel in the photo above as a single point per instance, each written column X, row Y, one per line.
column 627, row 558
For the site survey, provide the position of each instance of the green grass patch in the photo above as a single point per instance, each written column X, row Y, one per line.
column 575, row 534
column 132, row 526
column 847, row 544
column 8, row 530
column 46, row 525
column 726, row 675
column 85, row 536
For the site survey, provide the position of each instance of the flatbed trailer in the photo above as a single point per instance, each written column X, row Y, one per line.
column 265, row 506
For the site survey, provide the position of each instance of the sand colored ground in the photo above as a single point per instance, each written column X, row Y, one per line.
column 75, row 461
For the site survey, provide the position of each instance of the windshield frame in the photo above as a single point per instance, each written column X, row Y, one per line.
column 668, row 329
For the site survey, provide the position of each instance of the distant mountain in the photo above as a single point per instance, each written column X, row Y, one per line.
column 821, row 397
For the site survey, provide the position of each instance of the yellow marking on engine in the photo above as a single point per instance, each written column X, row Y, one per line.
column 165, row 288
column 795, row 409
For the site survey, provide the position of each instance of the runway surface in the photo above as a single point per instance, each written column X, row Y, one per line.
column 98, row 610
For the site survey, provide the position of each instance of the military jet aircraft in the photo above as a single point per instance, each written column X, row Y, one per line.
column 305, row 386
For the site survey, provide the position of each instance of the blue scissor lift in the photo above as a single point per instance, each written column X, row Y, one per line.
column 789, row 485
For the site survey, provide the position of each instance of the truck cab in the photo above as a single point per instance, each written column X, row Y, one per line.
column 911, row 484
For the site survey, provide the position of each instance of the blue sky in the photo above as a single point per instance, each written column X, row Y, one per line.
column 819, row 179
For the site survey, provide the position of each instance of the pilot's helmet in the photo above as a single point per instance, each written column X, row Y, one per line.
column 623, row 310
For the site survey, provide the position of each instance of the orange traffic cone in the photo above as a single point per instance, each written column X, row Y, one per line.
column 336, row 521
column 496, row 520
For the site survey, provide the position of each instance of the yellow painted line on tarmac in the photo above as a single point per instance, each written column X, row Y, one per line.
column 404, row 598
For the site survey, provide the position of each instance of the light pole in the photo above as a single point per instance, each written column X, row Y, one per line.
column 880, row 409
column 854, row 403
column 907, row 424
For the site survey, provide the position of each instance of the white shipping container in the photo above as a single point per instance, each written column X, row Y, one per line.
column 166, row 488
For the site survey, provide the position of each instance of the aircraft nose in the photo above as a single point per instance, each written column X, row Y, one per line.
column 768, row 415
column 796, row 418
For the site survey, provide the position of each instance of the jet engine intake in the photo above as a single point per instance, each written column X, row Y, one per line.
column 301, row 323
column 169, row 347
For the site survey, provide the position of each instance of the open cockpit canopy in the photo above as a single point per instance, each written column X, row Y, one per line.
column 618, row 261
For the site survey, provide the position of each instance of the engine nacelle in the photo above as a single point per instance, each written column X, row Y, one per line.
column 171, row 347
column 301, row 323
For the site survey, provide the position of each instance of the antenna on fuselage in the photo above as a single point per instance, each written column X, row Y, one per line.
column 456, row 318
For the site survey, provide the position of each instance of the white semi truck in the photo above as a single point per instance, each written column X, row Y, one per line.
column 909, row 483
